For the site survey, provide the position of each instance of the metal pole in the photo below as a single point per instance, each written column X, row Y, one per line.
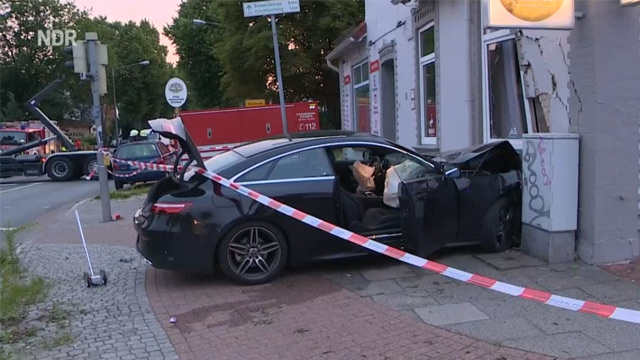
column 97, row 118
column 276, row 50
column 115, row 107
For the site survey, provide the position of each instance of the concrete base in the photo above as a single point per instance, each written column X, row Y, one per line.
column 609, row 251
column 552, row 247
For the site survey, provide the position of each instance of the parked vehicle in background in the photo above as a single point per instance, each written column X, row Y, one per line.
column 360, row 182
column 214, row 129
column 144, row 151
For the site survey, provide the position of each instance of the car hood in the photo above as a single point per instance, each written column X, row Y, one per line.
column 494, row 157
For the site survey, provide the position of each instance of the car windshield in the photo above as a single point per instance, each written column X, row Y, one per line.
column 136, row 151
column 12, row 137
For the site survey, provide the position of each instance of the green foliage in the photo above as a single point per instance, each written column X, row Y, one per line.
column 246, row 52
column 238, row 55
column 17, row 290
column 26, row 68
column 12, row 111
column 198, row 66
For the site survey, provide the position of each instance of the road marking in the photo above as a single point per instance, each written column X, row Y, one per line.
column 19, row 187
column 75, row 206
column 7, row 229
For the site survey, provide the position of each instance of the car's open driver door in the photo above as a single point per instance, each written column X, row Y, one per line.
column 429, row 214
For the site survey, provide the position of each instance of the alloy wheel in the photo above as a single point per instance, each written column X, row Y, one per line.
column 254, row 252
column 504, row 223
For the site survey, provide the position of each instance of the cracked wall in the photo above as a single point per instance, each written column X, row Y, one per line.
column 544, row 61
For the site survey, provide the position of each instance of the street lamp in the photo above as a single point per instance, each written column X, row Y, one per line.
column 115, row 104
column 198, row 22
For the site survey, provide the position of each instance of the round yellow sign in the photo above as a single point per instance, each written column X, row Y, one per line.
column 532, row 10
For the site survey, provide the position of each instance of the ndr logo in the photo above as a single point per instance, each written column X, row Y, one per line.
column 52, row 38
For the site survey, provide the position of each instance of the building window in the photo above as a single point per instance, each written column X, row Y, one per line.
column 428, row 100
column 506, row 111
column 361, row 96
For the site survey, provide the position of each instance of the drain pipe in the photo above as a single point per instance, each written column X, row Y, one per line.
column 337, row 51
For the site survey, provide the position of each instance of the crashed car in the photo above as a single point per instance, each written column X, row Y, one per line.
column 360, row 182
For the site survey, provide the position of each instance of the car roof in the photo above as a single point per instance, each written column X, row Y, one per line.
column 141, row 142
column 303, row 139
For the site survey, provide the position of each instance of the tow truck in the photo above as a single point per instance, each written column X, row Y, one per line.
column 61, row 166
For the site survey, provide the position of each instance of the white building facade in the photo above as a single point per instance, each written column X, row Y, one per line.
column 425, row 74
column 431, row 75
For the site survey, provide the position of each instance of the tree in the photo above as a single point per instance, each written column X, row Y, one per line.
column 12, row 111
column 26, row 66
column 245, row 51
column 198, row 63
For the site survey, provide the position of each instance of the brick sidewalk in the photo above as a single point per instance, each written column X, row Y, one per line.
column 298, row 317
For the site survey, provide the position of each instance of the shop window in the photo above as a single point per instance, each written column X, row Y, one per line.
column 506, row 110
column 361, row 96
column 428, row 100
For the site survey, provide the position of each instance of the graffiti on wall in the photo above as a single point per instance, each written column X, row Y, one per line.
column 537, row 179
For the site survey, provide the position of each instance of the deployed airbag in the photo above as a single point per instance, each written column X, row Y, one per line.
column 364, row 176
column 395, row 174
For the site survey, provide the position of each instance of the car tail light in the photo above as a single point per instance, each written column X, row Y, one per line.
column 115, row 165
column 169, row 208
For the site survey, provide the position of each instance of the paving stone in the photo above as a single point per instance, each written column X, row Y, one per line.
column 388, row 272
column 450, row 314
column 375, row 287
column 510, row 259
column 403, row 301
column 445, row 290
column 621, row 337
column 568, row 345
column 614, row 291
column 101, row 318
column 497, row 330
column 627, row 355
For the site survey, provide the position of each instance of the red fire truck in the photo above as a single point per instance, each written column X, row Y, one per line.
column 11, row 137
column 217, row 130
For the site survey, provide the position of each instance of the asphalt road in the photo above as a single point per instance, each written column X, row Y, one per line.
column 24, row 201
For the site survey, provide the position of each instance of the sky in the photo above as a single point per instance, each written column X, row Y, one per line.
column 158, row 12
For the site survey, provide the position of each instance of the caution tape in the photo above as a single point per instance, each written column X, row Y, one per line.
column 590, row 307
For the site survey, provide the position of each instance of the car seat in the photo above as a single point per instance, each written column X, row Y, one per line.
column 357, row 219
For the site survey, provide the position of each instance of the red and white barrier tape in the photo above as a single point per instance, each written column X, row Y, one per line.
column 607, row 311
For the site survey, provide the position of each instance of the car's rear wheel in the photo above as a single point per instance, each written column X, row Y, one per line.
column 499, row 225
column 253, row 253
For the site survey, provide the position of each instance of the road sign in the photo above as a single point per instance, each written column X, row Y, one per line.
column 255, row 102
column 175, row 92
column 272, row 7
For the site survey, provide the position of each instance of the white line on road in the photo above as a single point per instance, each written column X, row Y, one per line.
column 7, row 229
column 75, row 206
column 19, row 187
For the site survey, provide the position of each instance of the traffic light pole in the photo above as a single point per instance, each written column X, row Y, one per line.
column 103, row 177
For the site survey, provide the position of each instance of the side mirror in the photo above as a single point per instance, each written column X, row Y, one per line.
column 451, row 171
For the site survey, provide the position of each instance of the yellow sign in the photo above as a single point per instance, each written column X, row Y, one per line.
column 537, row 14
column 255, row 102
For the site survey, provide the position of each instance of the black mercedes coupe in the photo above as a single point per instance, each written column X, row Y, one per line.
column 360, row 182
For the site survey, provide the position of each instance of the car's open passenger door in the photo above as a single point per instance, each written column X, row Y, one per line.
column 429, row 213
